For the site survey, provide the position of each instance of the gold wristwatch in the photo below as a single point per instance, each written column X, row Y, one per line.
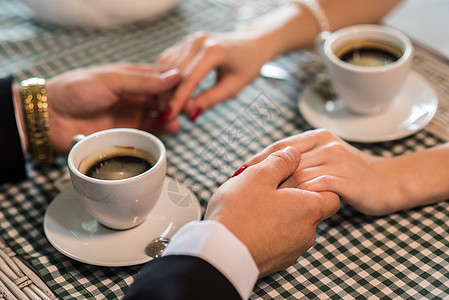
column 36, row 120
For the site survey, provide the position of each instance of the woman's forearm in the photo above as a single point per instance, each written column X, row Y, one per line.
column 293, row 27
column 418, row 178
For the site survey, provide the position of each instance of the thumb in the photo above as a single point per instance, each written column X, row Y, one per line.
column 278, row 166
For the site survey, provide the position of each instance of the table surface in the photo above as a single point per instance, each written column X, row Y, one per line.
column 402, row 256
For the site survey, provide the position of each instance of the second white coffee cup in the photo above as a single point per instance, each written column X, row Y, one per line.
column 118, row 203
column 370, row 88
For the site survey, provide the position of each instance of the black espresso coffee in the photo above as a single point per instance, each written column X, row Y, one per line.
column 369, row 53
column 120, row 164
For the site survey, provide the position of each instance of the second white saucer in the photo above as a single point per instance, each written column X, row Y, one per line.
column 411, row 110
column 76, row 234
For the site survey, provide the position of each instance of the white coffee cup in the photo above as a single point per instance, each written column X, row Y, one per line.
column 365, row 89
column 123, row 203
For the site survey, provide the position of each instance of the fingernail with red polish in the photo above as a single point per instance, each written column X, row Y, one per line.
column 196, row 114
column 166, row 114
column 239, row 170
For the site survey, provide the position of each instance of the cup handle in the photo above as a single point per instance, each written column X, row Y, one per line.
column 76, row 139
column 319, row 43
column 321, row 82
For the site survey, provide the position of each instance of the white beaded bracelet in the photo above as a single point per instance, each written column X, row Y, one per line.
column 314, row 7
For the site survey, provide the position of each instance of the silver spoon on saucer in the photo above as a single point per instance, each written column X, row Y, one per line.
column 157, row 246
column 320, row 81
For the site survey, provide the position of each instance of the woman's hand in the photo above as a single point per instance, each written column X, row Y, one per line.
column 235, row 56
column 373, row 185
column 87, row 100
column 329, row 164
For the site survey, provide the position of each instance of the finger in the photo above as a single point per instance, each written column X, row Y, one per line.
column 304, row 142
column 276, row 167
column 162, row 102
column 299, row 177
column 314, row 158
column 318, row 156
column 190, row 106
column 147, row 83
column 227, row 88
column 336, row 156
column 138, row 67
column 324, row 204
column 323, row 183
column 194, row 45
column 170, row 128
column 154, row 126
column 180, row 54
column 164, row 61
column 192, row 77
column 295, row 141
column 329, row 204
column 152, row 106
column 123, row 67
column 329, row 159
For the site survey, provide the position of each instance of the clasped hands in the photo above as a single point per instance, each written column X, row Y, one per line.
column 287, row 189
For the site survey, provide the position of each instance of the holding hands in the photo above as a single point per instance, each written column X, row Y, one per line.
column 373, row 185
column 276, row 224
column 330, row 164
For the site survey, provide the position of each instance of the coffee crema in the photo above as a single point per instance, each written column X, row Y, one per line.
column 124, row 163
column 367, row 53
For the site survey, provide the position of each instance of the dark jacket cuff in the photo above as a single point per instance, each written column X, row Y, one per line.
column 12, row 164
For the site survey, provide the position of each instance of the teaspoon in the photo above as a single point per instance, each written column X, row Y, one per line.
column 320, row 82
column 157, row 246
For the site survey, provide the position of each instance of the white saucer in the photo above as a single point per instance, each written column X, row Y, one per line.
column 76, row 234
column 410, row 111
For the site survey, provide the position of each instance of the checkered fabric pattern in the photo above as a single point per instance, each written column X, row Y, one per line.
column 400, row 256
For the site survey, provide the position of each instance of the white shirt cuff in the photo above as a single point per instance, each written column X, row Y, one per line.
column 214, row 243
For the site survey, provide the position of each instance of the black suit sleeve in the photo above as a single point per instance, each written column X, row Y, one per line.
column 12, row 165
column 178, row 277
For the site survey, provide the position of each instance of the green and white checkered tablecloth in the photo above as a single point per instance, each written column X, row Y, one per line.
column 400, row 256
